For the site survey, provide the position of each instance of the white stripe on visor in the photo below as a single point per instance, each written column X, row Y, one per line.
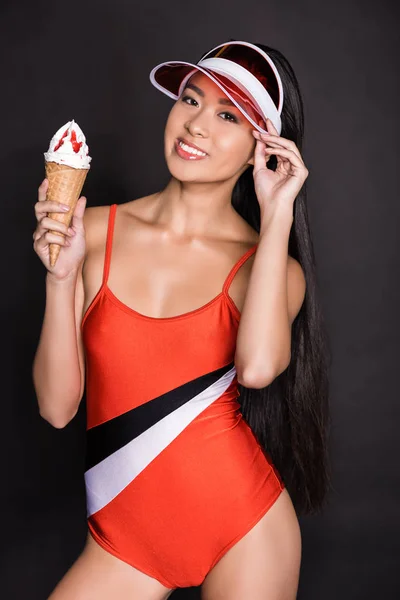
column 248, row 83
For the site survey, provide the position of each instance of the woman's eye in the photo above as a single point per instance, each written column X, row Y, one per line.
column 189, row 100
column 184, row 98
column 231, row 117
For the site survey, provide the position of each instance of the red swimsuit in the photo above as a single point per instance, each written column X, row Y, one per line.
column 174, row 475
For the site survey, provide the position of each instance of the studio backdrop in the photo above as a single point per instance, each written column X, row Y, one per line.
column 90, row 61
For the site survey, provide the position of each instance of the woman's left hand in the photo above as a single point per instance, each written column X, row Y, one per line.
column 279, row 187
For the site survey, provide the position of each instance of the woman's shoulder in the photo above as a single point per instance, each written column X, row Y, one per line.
column 95, row 222
column 95, row 219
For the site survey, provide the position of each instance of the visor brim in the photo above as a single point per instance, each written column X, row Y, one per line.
column 170, row 77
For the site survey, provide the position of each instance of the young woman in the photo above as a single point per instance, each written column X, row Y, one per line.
column 193, row 317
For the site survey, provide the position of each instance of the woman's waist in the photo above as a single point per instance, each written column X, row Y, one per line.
column 103, row 411
column 147, row 401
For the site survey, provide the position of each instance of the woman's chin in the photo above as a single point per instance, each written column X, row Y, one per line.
column 185, row 172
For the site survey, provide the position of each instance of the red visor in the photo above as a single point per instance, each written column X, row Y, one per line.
column 244, row 72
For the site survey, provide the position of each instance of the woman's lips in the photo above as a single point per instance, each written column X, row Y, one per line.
column 186, row 155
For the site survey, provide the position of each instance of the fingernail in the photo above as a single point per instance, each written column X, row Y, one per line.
column 64, row 206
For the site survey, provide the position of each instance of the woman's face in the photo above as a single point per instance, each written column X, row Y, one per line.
column 203, row 116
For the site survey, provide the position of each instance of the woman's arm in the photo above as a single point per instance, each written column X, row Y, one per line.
column 57, row 370
column 274, row 296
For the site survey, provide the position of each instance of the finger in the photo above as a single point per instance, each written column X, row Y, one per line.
column 277, row 141
column 291, row 156
column 273, row 132
column 272, row 140
column 42, row 207
column 54, row 225
column 266, row 138
column 259, row 156
column 47, row 224
column 80, row 208
column 49, row 238
column 271, row 127
column 42, row 190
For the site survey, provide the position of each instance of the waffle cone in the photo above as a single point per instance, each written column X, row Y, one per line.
column 65, row 186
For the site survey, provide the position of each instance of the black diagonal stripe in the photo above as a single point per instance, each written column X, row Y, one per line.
column 105, row 439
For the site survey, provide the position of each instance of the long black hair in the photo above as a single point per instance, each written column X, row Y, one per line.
column 291, row 417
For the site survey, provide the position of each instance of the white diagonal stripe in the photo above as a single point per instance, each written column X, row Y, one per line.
column 109, row 477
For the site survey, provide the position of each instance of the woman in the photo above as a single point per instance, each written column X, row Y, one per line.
column 188, row 482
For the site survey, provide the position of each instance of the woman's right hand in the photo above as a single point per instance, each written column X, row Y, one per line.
column 73, row 246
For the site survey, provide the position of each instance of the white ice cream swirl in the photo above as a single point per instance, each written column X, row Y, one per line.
column 68, row 147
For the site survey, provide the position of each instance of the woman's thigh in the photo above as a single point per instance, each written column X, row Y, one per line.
column 264, row 563
column 99, row 575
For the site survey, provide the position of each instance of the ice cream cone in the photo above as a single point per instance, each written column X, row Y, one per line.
column 65, row 186
column 67, row 163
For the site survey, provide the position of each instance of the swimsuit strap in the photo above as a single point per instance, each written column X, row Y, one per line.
column 107, row 259
column 110, row 231
column 236, row 267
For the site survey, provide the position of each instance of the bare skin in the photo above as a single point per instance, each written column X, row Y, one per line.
column 99, row 575
column 265, row 563
column 159, row 290
column 171, row 253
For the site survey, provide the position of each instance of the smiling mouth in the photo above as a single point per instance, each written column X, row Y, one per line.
column 187, row 152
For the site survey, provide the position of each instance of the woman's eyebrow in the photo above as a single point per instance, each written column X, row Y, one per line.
column 201, row 93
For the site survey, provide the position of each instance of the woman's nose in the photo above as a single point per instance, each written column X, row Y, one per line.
column 198, row 125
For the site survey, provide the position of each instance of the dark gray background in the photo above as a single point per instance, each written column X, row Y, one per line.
column 90, row 61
